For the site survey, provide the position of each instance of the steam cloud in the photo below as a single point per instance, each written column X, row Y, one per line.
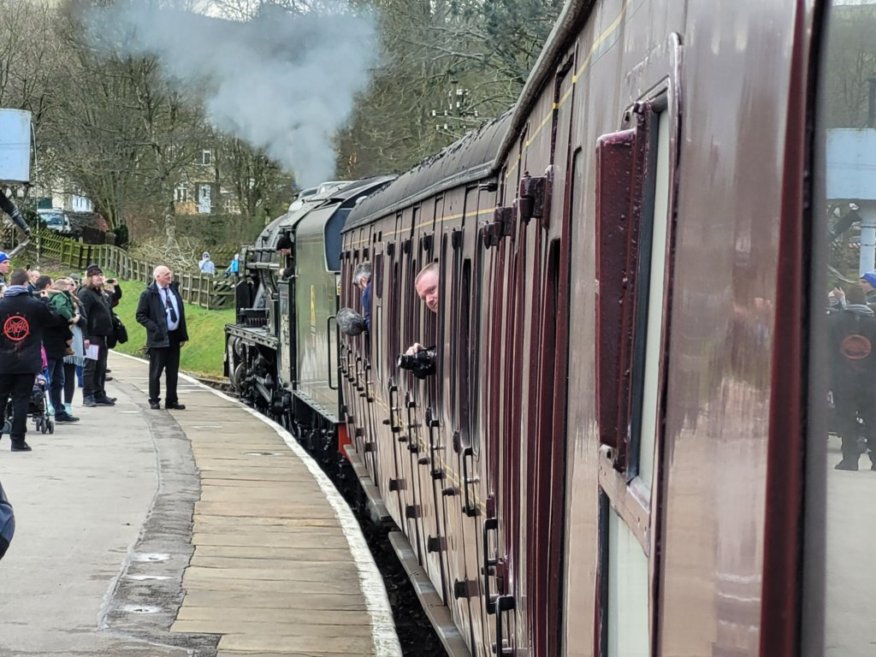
column 282, row 82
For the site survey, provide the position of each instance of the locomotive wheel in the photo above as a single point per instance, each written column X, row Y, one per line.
column 237, row 377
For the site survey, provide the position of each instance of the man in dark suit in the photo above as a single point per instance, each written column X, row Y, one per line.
column 22, row 320
column 162, row 312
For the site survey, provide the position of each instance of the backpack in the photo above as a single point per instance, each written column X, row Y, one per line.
column 7, row 522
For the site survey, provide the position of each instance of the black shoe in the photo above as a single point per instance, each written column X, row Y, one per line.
column 109, row 378
column 89, row 402
column 20, row 446
column 175, row 406
column 155, row 406
column 63, row 417
column 846, row 465
column 105, row 401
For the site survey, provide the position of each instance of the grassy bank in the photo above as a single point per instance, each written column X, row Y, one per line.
column 201, row 355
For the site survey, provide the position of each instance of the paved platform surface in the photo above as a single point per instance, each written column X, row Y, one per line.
column 200, row 532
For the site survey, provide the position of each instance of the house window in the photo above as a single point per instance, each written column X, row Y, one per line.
column 206, row 157
column 232, row 206
column 181, row 193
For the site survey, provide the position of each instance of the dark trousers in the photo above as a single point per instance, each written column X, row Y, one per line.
column 849, row 405
column 95, row 371
column 69, row 382
column 19, row 386
column 56, row 383
column 160, row 360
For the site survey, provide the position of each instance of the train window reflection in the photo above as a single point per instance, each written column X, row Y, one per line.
column 627, row 622
column 841, row 483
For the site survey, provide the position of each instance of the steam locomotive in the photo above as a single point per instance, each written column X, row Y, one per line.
column 622, row 449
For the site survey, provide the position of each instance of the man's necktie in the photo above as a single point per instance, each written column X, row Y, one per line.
column 169, row 305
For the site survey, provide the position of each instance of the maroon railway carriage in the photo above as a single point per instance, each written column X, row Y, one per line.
column 613, row 456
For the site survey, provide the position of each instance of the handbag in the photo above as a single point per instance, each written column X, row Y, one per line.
column 120, row 330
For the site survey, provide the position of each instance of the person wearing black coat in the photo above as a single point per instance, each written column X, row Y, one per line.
column 23, row 319
column 99, row 332
column 162, row 312
column 852, row 332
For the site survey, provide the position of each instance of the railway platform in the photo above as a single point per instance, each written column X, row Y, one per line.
column 203, row 532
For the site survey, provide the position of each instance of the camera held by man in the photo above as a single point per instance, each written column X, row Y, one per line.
column 421, row 363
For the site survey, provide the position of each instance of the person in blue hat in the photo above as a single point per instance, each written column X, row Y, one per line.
column 4, row 270
column 868, row 284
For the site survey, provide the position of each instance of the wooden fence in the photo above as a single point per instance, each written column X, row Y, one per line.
column 206, row 291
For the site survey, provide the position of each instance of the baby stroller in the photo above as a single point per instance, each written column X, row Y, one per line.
column 38, row 408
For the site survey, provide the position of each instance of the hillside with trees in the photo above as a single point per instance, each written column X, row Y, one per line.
column 118, row 129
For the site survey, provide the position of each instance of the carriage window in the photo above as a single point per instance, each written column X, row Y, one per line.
column 841, row 446
column 655, row 264
column 632, row 233
column 377, row 281
column 393, row 342
column 464, row 351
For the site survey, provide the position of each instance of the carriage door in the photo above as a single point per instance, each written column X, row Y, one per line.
column 633, row 243
column 467, row 378
column 495, row 243
column 429, row 454
column 375, row 379
column 450, row 447
column 392, row 468
column 409, row 439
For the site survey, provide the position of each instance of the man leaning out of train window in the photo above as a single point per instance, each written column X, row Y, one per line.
column 362, row 280
column 418, row 359
column 284, row 249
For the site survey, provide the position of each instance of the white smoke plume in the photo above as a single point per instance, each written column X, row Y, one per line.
column 283, row 82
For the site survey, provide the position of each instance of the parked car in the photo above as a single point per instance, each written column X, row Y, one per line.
column 56, row 220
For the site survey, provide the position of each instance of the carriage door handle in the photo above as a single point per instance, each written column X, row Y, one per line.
column 368, row 396
column 468, row 455
column 342, row 359
column 489, row 569
column 359, row 374
column 503, row 603
column 432, row 423
column 349, row 370
column 393, row 400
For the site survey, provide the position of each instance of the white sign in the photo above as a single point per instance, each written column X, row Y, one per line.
column 14, row 146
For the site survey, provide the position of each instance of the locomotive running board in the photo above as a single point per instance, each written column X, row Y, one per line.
column 375, row 507
column 438, row 613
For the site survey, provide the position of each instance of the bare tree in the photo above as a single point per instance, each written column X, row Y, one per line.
column 851, row 64
column 259, row 185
